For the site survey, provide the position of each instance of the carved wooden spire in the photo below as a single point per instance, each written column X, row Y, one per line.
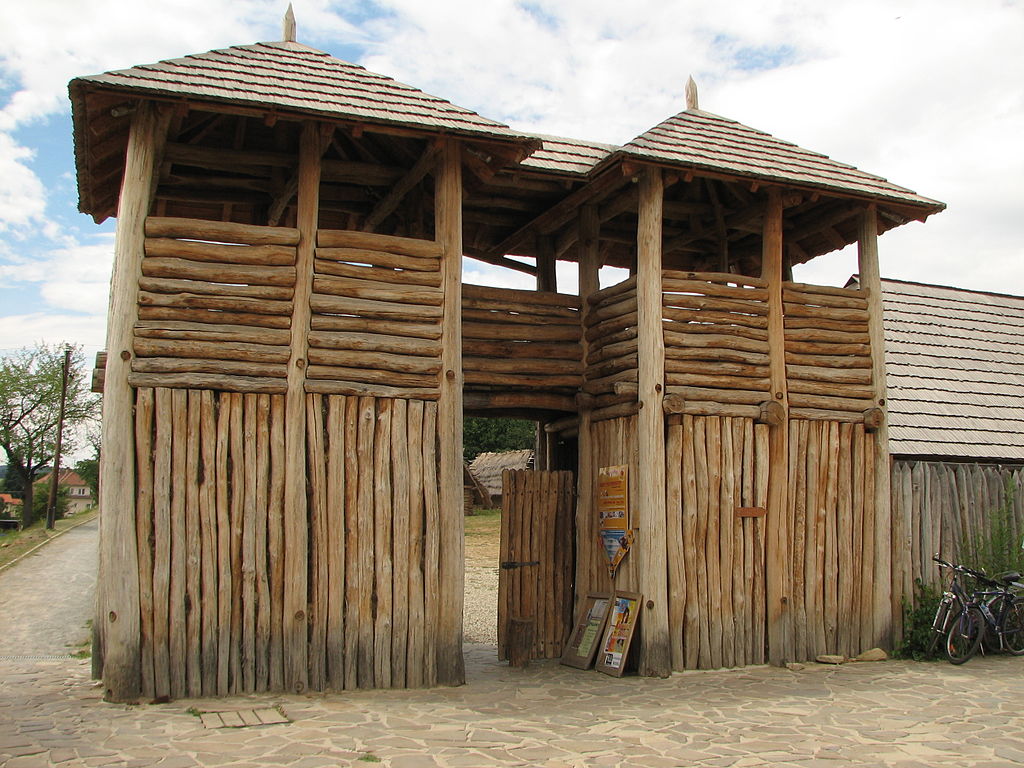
column 288, row 26
column 691, row 94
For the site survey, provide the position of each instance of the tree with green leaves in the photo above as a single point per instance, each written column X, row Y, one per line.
column 485, row 434
column 30, row 391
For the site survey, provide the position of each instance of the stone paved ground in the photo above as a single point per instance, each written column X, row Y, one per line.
column 899, row 714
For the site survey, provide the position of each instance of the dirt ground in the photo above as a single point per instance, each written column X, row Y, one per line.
column 480, row 615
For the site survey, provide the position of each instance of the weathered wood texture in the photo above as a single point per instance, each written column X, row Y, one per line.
column 520, row 340
column 211, row 550
column 718, row 465
column 535, row 579
column 940, row 507
column 611, row 335
column 376, row 316
column 828, row 350
column 717, row 597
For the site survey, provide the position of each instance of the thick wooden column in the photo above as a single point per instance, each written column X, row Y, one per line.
column 778, row 567
column 117, row 604
column 296, row 513
column 589, row 283
column 870, row 281
column 652, row 565
column 451, row 668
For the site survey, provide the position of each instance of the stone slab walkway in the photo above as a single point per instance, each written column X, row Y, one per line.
column 899, row 714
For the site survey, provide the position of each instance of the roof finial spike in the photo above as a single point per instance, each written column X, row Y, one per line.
column 691, row 94
column 288, row 26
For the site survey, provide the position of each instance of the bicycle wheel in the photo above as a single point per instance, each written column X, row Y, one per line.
column 1013, row 629
column 943, row 611
column 965, row 635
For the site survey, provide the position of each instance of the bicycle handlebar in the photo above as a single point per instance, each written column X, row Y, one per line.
column 982, row 577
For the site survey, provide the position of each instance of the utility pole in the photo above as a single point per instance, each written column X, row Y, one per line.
column 51, row 506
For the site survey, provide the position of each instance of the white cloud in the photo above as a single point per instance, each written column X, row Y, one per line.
column 22, row 198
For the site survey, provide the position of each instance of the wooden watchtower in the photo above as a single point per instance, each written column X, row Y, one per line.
column 290, row 350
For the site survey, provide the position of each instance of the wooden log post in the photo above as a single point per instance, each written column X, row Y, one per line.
column 296, row 515
column 117, row 620
column 589, row 284
column 652, row 565
column 448, row 232
column 778, row 565
column 886, row 541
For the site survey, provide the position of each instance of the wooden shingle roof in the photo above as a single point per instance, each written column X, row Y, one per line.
column 294, row 77
column 707, row 142
column 573, row 157
column 955, row 371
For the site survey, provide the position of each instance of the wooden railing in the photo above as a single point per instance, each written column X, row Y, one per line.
column 611, row 334
column 215, row 305
column 520, row 340
column 376, row 316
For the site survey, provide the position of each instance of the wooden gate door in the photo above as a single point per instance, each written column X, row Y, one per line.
column 535, row 585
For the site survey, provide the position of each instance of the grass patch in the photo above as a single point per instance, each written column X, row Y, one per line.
column 14, row 544
column 369, row 757
column 483, row 532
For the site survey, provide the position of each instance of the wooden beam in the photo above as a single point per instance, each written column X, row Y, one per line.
column 500, row 261
column 778, row 568
column 652, row 564
column 291, row 187
column 390, row 201
column 546, row 278
column 448, row 232
column 562, row 211
column 887, row 571
column 589, row 227
column 117, row 620
column 296, row 518
column 720, row 229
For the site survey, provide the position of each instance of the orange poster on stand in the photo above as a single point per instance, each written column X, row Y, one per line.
column 613, row 510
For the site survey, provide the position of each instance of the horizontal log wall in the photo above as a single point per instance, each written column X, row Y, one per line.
column 376, row 316
column 716, row 341
column 715, row 466
column 211, row 541
column 215, row 305
column 938, row 507
column 520, row 340
column 828, row 352
column 611, row 334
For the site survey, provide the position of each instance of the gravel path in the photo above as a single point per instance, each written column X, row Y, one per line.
column 480, row 615
column 46, row 599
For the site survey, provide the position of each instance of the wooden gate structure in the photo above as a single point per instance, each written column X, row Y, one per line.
column 536, row 560
column 290, row 351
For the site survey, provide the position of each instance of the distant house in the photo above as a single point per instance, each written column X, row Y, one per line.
column 954, row 363
column 487, row 468
column 9, row 505
column 79, row 493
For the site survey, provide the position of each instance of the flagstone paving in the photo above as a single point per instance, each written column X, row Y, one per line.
column 899, row 714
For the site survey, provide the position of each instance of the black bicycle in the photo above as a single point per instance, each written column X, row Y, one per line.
column 958, row 620
column 993, row 616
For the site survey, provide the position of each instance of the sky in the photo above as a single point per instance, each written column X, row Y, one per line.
column 927, row 94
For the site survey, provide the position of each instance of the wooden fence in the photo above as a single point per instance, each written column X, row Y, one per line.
column 611, row 335
column 211, row 541
column 535, row 579
column 940, row 506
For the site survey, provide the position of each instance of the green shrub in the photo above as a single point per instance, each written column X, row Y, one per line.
column 917, row 624
column 997, row 548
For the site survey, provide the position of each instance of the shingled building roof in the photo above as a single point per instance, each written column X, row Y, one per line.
column 704, row 141
column 955, row 370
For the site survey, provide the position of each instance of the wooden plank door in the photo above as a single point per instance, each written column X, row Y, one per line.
column 537, row 559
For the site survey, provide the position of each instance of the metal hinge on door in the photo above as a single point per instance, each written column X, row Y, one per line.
column 508, row 565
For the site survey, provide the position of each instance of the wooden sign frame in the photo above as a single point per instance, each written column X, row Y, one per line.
column 623, row 617
column 589, row 631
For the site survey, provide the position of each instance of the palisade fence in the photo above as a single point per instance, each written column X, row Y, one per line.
column 938, row 507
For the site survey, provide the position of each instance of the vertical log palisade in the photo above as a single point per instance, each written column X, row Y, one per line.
column 292, row 348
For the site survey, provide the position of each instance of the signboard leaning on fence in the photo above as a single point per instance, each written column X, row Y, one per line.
column 613, row 509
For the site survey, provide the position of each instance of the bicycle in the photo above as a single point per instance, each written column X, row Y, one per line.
column 958, row 619
column 993, row 616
